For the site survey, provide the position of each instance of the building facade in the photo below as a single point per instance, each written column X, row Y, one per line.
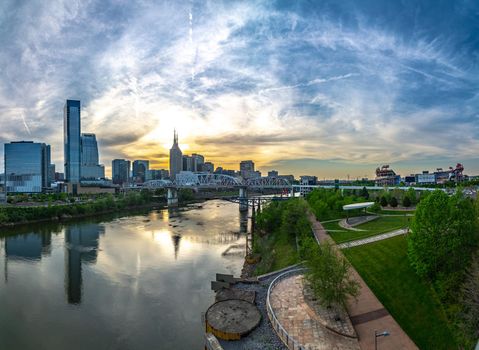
column 187, row 163
column 90, row 168
column 26, row 167
column 140, row 170
column 176, row 158
column 208, row 167
column 120, row 171
column 198, row 162
column 71, row 140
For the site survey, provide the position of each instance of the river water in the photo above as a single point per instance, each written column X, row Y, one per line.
column 133, row 282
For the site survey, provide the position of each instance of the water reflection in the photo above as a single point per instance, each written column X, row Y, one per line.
column 28, row 247
column 136, row 282
column 81, row 245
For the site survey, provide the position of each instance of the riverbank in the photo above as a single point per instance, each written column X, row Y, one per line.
column 12, row 217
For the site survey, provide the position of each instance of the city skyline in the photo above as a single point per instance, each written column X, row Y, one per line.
column 322, row 89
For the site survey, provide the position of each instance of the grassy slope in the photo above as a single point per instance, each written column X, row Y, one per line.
column 375, row 227
column 277, row 251
column 385, row 268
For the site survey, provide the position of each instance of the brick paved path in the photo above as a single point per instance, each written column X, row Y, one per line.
column 300, row 321
column 367, row 313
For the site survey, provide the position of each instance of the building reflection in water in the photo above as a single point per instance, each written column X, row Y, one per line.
column 81, row 246
column 26, row 247
column 176, row 244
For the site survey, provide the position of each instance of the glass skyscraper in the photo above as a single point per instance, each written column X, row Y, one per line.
column 140, row 170
column 90, row 169
column 120, row 171
column 71, row 140
column 26, row 166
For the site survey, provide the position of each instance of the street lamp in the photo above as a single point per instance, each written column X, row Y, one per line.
column 376, row 335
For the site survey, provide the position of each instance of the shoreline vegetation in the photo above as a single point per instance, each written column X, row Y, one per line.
column 13, row 216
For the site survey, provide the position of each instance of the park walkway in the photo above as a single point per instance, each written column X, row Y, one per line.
column 372, row 239
column 301, row 322
column 366, row 312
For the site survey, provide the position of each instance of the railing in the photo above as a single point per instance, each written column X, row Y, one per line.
column 287, row 339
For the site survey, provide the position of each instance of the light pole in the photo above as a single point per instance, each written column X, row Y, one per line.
column 376, row 335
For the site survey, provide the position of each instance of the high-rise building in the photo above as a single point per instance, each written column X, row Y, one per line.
column 198, row 161
column 208, row 167
column 120, row 171
column 158, row 174
column 71, row 140
column 187, row 163
column 26, row 166
column 176, row 158
column 247, row 170
column 140, row 170
column 90, row 167
column 247, row 165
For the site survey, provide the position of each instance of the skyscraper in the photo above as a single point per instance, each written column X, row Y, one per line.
column 176, row 158
column 26, row 166
column 71, row 140
column 120, row 171
column 198, row 161
column 90, row 168
column 140, row 170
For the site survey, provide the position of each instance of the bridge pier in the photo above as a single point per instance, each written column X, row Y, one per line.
column 243, row 199
column 172, row 197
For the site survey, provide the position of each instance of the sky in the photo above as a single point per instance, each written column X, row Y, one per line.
column 326, row 88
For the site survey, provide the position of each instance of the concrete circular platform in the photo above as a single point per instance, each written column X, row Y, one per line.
column 232, row 318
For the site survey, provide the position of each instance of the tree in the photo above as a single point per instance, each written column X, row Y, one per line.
column 384, row 201
column 406, row 202
column 444, row 234
column 328, row 276
column 470, row 301
column 364, row 193
column 411, row 194
column 393, row 202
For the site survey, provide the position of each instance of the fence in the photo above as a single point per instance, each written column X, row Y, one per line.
column 282, row 333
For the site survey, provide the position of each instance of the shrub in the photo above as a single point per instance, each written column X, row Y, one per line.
column 384, row 201
column 393, row 202
column 406, row 202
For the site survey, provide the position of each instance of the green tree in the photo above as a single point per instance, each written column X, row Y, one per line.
column 470, row 301
column 406, row 202
column 328, row 275
column 364, row 193
column 384, row 201
column 443, row 238
column 393, row 202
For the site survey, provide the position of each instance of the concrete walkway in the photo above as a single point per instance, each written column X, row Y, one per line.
column 301, row 322
column 371, row 239
column 367, row 313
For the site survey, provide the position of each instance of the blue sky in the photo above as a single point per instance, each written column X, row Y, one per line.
column 331, row 88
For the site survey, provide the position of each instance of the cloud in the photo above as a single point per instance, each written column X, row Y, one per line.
column 270, row 81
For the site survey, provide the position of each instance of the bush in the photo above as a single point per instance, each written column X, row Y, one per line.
column 406, row 202
column 393, row 202
column 384, row 201
column 375, row 208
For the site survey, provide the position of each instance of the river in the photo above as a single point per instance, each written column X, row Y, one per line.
column 133, row 282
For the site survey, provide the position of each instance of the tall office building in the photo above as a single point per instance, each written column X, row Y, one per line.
column 247, row 170
column 26, row 166
column 187, row 163
column 176, row 158
column 90, row 168
column 71, row 141
column 140, row 170
column 120, row 171
column 198, row 161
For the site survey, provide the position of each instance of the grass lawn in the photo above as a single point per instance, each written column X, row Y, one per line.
column 384, row 266
column 397, row 212
column 381, row 225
